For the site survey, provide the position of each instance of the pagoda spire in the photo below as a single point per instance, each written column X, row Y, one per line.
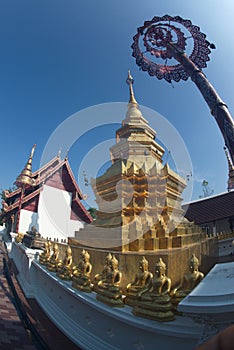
column 130, row 82
column 135, row 138
column 25, row 180
column 133, row 115
column 230, row 171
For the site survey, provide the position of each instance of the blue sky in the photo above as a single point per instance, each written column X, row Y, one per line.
column 59, row 57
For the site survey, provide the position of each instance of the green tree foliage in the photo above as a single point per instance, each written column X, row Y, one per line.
column 93, row 212
column 3, row 197
column 10, row 189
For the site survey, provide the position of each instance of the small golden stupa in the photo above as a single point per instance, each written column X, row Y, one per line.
column 25, row 180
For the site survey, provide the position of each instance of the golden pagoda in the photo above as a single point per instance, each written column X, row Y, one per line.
column 138, row 197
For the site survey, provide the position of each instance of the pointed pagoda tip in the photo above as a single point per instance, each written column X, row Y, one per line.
column 59, row 153
column 33, row 150
column 66, row 157
column 130, row 82
column 25, row 179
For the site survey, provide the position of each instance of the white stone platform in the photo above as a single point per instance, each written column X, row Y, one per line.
column 214, row 294
column 211, row 303
column 93, row 325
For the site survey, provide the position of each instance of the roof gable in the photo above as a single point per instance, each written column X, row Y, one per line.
column 56, row 173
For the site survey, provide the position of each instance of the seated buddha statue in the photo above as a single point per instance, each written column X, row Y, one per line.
column 52, row 263
column 45, row 255
column 64, row 267
column 188, row 283
column 102, row 276
column 81, row 273
column 19, row 237
column 141, row 281
column 33, row 232
column 108, row 290
column 154, row 301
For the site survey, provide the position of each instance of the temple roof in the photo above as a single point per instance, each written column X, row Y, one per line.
column 211, row 208
column 46, row 176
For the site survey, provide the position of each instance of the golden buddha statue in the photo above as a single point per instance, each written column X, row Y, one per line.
column 102, row 276
column 108, row 290
column 19, row 237
column 154, row 301
column 52, row 263
column 45, row 255
column 64, row 268
column 81, row 273
column 141, row 281
column 188, row 283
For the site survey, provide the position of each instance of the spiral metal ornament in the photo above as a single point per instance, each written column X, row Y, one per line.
column 153, row 39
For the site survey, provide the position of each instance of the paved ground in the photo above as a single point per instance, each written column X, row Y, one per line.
column 23, row 325
column 13, row 335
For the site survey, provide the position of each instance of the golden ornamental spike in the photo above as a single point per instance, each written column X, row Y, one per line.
column 130, row 82
column 25, row 180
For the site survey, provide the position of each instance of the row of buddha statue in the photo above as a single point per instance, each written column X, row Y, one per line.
column 150, row 294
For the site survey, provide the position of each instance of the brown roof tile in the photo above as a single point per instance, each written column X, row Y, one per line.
column 211, row 208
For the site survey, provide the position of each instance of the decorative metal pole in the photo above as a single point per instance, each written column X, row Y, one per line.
column 24, row 181
column 164, row 41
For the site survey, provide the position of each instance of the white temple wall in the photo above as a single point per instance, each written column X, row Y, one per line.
column 54, row 211
column 27, row 220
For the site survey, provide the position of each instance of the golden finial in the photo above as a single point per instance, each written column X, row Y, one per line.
column 86, row 255
column 144, row 262
column 161, row 263
column 130, row 82
column 194, row 260
column 114, row 261
column 68, row 250
column 108, row 258
column 25, row 179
